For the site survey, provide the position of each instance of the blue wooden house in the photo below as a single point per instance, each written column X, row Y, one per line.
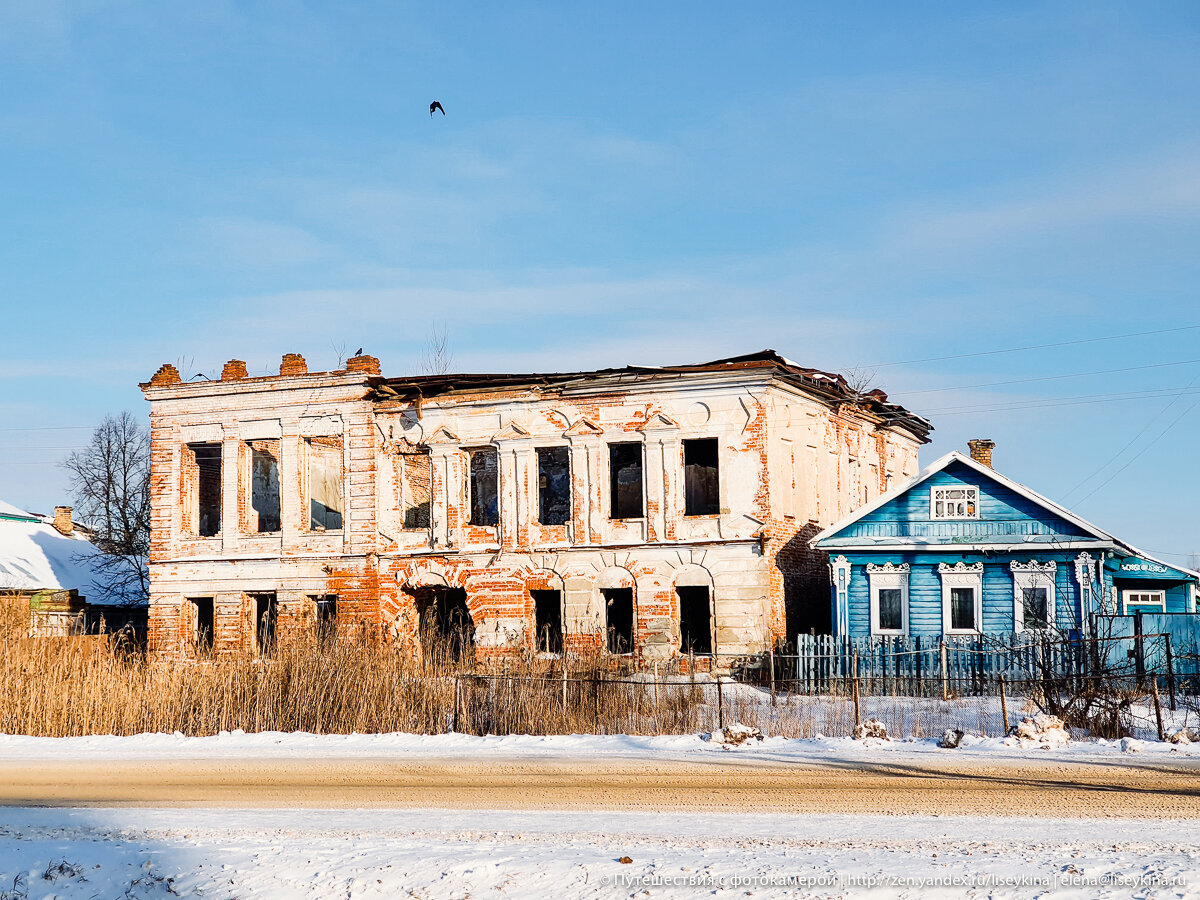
column 962, row 550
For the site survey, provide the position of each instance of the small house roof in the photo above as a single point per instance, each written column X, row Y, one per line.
column 34, row 555
column 826, row 539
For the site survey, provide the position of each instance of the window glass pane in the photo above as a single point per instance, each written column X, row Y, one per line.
column 962, row 608
column 890, row 613
column 1035, row 602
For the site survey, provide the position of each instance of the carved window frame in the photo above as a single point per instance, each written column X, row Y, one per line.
column 969, row 504
column 888, row 577
column 961, row 575
column 1033, row 574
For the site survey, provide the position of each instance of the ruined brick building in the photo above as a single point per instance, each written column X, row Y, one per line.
column 652, row 511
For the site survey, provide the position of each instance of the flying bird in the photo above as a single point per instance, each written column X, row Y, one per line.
column 435, row 106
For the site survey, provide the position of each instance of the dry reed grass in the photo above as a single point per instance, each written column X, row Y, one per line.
column 62, row 687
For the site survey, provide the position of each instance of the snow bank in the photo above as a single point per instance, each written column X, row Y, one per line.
column 301, row 745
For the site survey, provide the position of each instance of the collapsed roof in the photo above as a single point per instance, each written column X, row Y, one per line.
column 826, row 385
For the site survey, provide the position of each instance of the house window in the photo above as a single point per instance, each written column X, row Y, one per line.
column 962, row 597
column 962, row 609
column 961, row 502
column 618, row 619
column 265, row 611
column 695, row 620
column 554, row 485
column 625, row 481
column 202, row 624
column 325, row 617
column 701, row 485
column 889, row 598
column 325, row 483
column 201, row 470
column 547, row 616
column 1033, row 594
column 263, row 514
column 485, row 487
column 1135, row 601
column 416, row 480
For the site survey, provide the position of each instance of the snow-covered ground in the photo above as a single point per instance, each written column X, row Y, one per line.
column 143, row 853
column 279, row 745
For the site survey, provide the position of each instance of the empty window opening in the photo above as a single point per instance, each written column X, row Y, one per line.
column 264, row 486
column 325, row 617
column 325, row 483
column 485, row 487
column 416, row 480
column 202, row 623
column 1035, row 603
column 266, row 613
column 701, row 485
column 554, row 485
column 547, row 615
column 202, row 487
column 625, row 470
column 618, row 619
column 695, row 620
column 446, row 627
column 962, row 609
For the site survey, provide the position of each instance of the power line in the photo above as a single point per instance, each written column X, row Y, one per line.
column 967, row 387
column 50, row 428
column 1114, row 337
column 1136, row 456
column 1065, row 401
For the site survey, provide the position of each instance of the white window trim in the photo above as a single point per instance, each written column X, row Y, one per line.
column 1033, row 574
column 888, row 576
column 946, row 487
column 1127, row 592
column 959, row 575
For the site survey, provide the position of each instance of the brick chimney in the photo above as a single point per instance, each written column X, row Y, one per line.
column 363, row 363
column 293, row 364
column 981, row 450
column 62, row 520
column 234, row 369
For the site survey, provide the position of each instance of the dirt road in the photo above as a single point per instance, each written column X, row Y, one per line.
column 727, row 784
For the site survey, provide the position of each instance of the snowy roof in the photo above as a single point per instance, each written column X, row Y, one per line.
column 8, row 511
column 34, row 555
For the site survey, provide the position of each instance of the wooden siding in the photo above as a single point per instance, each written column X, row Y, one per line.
column 1004, row 516
column 925, row 590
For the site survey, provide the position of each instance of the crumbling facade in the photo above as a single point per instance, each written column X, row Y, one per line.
column 656, row 512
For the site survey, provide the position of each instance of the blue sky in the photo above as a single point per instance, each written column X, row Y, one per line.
column 872, row 185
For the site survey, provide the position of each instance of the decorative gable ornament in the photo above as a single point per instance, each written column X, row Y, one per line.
column 584, row 427
column 510, row 432
column 960, row 568
column 888, row 569
column 443, row 435
column 657, row 420
column 1034, row 567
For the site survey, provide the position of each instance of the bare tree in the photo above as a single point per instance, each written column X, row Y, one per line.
column 339, row 350
column 110, row 483
column 859, row 381
column 436, row 356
